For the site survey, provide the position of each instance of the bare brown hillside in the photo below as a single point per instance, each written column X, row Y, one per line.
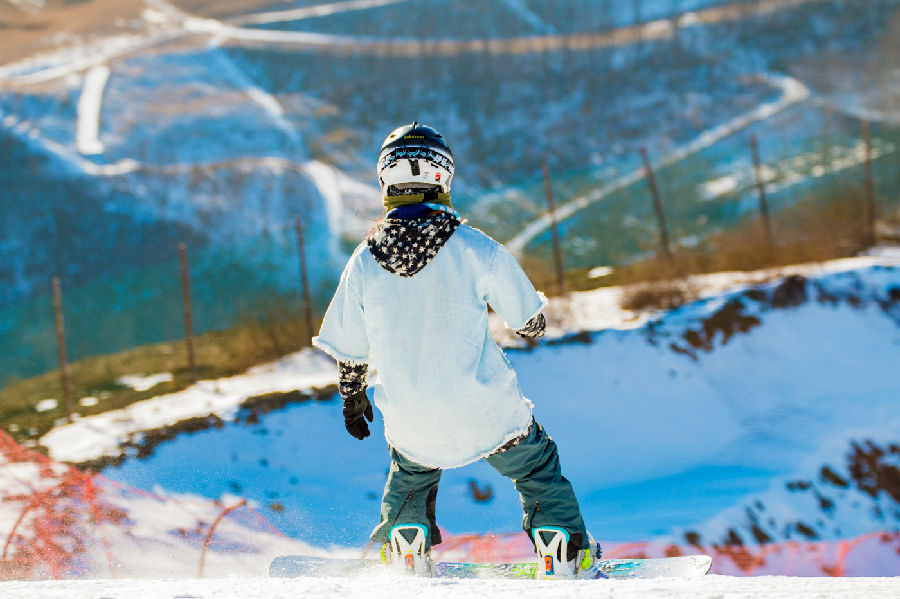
column 27, row 27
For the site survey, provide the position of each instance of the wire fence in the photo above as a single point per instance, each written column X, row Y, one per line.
column 666, row 239
column 650, row 206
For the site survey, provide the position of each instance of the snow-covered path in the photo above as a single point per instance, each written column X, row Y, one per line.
column 660, row 29
column 88, row 129
column 306, row 12
column 709, row 587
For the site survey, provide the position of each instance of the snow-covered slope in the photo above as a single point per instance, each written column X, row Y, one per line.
column 744, row 392
column 763, row 412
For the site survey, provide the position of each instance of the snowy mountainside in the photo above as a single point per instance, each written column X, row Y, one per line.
column 851, row 489
column 760, row 379
column 771, row 406
column 219, row 132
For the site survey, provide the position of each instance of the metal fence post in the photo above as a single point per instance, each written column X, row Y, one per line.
column 188, row 315
column 557, row 250
column 307, row 301
column 761, row 186
column 657, row 206
column 61, row 347
column 870, row 187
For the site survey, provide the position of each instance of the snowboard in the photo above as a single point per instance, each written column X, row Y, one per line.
column 687, row 566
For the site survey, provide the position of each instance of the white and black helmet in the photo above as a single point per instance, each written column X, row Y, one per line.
column 415, row 157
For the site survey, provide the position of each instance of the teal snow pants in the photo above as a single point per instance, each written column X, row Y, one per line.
column 532, row 464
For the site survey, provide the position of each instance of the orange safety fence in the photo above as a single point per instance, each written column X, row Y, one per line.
column 61, row 518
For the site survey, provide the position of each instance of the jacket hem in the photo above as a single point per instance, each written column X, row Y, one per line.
column 335, row 353
column 518, row 432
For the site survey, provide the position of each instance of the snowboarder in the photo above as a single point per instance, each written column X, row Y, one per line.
column 412, row 302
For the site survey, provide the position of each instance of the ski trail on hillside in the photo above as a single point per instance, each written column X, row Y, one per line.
column 524, row 12
column 220, row 32
column 91, row 100
column 28, row 133
column 793, row 92
column 784, row 174
column 87, row 137
column 261, row 97
column 167, row 23
column 25, row 130
column 325, row 178
column 322, row 176
column 23, row 73
column 660, row 29
column 862, row 113
column 321, row 10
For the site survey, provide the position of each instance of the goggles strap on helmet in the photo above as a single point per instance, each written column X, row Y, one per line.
column 391, row 202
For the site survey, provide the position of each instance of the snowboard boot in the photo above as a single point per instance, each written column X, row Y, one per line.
column 405, row 552
column 559, row 561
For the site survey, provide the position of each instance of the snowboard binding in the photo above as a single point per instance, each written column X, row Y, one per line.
column 405, row 551
column 556, row 561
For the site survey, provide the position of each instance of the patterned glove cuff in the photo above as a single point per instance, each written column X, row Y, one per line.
column 351, row 378
column 533, row 328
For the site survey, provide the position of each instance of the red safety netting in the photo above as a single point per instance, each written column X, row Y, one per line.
column 59, row 522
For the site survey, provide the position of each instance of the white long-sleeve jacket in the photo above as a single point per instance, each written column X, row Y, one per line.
column 446, row 390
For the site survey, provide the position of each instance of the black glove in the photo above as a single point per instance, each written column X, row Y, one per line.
column 355, row 407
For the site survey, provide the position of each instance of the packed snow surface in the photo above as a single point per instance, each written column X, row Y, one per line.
column 709, row 587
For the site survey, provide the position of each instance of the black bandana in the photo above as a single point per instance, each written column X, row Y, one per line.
column 404, row 247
